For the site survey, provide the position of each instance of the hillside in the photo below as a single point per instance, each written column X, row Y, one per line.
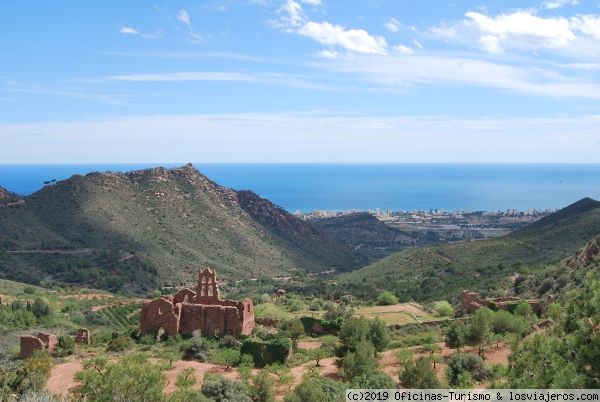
column 440, row 271
column 7, row 196
column 366, row 233
column 156, row 227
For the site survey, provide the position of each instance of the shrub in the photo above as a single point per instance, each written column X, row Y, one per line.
column 186, row 378
column 359, row 362
column 466, row 362
column 118, row 344
column 227, row 357
column 443, row 308
column 317, row 389
column 66, row 346
column 386, row 299
column 267, row 352
column 418, row 374
column 195, row 348
column 222, row 389
column 292, row 329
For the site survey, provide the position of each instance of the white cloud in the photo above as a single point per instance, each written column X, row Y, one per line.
column 521, row 29
column 393, row 25
column 355, row 40
column 403, row 72
column 184, row 16
column 328, row 54
column 587, row 24
column 554, row 4
column 291, row 16
column 129, row 31
column 312, row 2
column 401, row 49
column 292, row 19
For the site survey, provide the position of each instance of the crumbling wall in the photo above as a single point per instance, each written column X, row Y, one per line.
column 160, row 313
column 83, row 336
column 29, row 344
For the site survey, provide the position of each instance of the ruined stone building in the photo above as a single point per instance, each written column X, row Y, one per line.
column 41, row 341
column 202, row 310
column 471, row 302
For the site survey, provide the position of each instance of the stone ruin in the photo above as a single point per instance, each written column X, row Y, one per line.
column 83, row 336
column 202, row 310
column 41, row 341
column 471, row 302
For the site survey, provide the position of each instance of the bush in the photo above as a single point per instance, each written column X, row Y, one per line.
column 386, row 299
column 196, row 348
column 118, row 344
column 222, row 389
column 443, row 308
column 418, row 374
column 40, row 307
column 317, row 389
column 504, row 322
column 186, row 378
column 466, row 362
column 66, row 346
column 359, row 362
column 373, row 380
column 133, row 378
column 227, row 357
column 267, row 352
column 37, row 369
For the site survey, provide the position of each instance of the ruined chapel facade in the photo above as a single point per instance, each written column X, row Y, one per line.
column 202, row 310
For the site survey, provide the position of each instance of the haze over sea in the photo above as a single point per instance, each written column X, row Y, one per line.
column 308, row 187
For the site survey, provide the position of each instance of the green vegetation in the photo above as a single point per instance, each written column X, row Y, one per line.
column 441, row 271
column 386, row 299
column 134, row 231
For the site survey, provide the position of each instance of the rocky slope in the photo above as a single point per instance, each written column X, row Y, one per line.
column 156, row 227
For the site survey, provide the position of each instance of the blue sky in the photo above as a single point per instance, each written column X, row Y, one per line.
column 300, row 81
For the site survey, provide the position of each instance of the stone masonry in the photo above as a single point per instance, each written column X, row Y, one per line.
column 202, row 310
column 471, row 302
column 41, row 341
column 83, row 336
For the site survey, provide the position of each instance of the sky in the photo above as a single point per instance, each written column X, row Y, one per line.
column 315, row 81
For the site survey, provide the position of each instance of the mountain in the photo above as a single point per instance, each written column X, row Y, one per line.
column 7, row 196
column 156, row 227
column 491, row 265
column 364, row 232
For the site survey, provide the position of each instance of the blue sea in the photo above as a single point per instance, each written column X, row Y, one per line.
column 308, row 187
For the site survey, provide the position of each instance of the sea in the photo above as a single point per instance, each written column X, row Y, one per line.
column 342, row 187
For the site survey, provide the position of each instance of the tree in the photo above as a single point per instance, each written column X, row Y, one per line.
column 227, row 357
column 314, row 388
column 361, row 361
column 466, row 362
column 318, row 354
column 262, row 387
column 504, row 322
column 375, row 379
column 379, row 334
column 443, row 308
column 352, row 332
column 456, row 335
column 386, row 299
column 432, row 349
column 480, row 329
column 187, row 395
column 222, row 389
column 418, row 374
column 131, row 378
column 40, row 307
column 523, row 309
column 404, row 355
column 293, row 329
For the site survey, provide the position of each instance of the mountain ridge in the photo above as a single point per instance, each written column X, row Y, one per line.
column 172, row 221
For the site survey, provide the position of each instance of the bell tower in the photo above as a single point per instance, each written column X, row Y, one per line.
column 207, row 290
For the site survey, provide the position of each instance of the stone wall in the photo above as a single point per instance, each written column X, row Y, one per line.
column 42, row 341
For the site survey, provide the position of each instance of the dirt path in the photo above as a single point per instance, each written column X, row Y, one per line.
column 62, row 378
column 200, row 369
